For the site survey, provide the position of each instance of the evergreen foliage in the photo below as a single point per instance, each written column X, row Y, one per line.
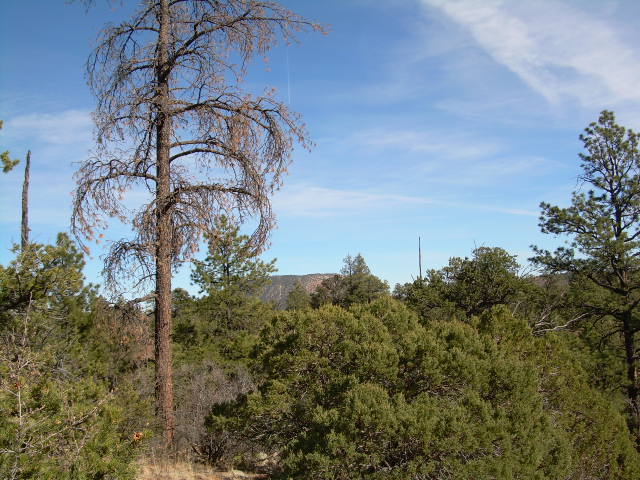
column 467, row 286
column 7, row 162
column 58, row 420
column 231, row 263
column 224, row 322
column 355, row 284
column 370, row 392
column 298, row 298
column 602, row 254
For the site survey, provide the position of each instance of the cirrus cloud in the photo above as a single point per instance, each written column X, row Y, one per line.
column 559, row 49
column 61, row 128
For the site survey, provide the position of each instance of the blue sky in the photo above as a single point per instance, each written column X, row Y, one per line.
column 446, row 119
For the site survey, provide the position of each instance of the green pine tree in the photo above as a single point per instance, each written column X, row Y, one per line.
column 602, row 256
column 228, row 317
column 355, row 284
column 298, row 298
column 58, row 419
column 7, row 162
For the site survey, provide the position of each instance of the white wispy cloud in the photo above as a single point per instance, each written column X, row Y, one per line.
column 435, row 143
column 313, row 201
column 61, row 128
column 451, row 158
column 560, row 50
column 486, row 171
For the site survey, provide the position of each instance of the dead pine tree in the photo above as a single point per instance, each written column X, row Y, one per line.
column 173, row 121
column 24, row 228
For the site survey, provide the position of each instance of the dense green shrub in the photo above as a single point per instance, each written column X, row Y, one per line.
column 600, row 445
column 468, row 286
column 373, row 393
column 59, row 419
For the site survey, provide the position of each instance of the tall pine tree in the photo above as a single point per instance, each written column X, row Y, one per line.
column 602, row 254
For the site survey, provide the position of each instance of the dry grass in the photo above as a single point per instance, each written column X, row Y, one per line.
column 154, row 469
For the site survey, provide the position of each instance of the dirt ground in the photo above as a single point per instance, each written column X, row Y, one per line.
column 152, row 469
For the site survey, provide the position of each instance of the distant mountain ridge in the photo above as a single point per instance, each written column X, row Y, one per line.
column 278, row 290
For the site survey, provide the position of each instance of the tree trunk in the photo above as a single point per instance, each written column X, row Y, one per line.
column 632, row 380
column 24, row 233
column 163, row 326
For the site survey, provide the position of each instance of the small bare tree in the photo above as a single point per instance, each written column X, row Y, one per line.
column 24, row 230
column 173, row 119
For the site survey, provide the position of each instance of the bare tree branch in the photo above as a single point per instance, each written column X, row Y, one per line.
column 173, row 120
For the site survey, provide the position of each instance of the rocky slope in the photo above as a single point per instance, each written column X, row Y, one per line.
column 278, row 290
